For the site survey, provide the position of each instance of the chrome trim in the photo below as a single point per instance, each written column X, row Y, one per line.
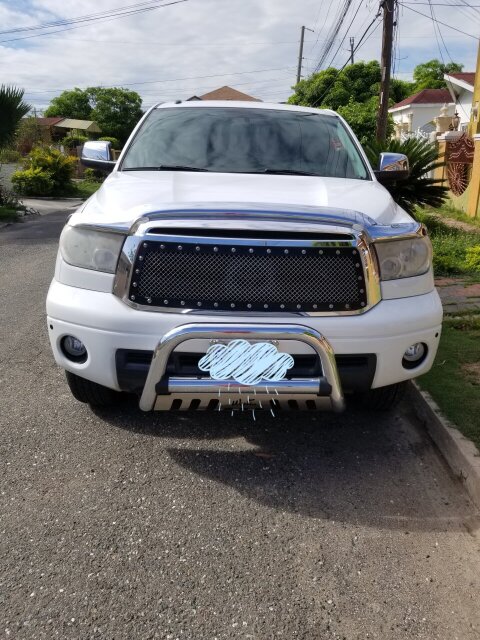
column 359, row 241
column 230, row 213
column 393, row 162
column 365, row 231
column 230, row 331
column 213, row 387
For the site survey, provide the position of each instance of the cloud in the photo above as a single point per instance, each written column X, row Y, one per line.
column 231, row 41
column 246, row 363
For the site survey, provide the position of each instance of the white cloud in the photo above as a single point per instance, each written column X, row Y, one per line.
column 203, row 38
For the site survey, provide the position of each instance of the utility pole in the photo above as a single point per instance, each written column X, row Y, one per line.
column 300, row 53
column 388, row 7
column 352, row 49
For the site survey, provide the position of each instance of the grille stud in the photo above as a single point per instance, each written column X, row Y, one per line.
column 242, row 277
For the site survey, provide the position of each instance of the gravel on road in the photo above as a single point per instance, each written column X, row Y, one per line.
column 121, row 525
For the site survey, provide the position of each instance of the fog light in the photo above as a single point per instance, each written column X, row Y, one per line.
column 414, row 355
column 74, row 349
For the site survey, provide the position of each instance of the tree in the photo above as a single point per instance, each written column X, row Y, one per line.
column 353, row 92
column 429, row 75
column 71, row 104
column 115, row 110
column 333, row 88
column 361, row 116
column 400, row 89
column 12, row 110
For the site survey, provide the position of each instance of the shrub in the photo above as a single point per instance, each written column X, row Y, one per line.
column 10, row 156
column 9, row 198
column 115, row 141
column 92, row 175
column 74, row 140
column 472, row 258
column 47, row 169
column 418, row 188
column 30, row 134
column 33, row 182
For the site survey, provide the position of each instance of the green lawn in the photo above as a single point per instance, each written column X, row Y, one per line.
column 7, row 214
column 449, row 211
column 85, row 188
column 454, row 380
column 450, row 246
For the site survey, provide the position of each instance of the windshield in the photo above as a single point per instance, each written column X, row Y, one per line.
column 236, row 140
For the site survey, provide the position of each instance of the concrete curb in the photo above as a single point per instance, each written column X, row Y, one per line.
column 461, row 454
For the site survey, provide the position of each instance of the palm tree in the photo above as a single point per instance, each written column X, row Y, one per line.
column 418, row 188
column 12, row 110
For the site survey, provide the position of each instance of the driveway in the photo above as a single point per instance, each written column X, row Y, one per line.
column 121, row 525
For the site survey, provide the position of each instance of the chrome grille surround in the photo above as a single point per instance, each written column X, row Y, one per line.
column 258, row 276
column 358, row 230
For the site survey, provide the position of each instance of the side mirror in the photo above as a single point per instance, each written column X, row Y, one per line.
column 393, row 167
column 98, row 155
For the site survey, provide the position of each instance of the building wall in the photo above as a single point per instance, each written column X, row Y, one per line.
column 422, row 114
column 464, row 107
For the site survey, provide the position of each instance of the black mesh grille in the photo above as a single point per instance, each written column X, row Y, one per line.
column 206, row 276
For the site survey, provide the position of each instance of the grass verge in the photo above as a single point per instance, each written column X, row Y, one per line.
column 449, row 211
column 452, row 248
column 85, row 188
column 8, row 214
column 454, row 380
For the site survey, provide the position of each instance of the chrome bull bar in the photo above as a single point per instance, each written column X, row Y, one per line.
column 160, row 392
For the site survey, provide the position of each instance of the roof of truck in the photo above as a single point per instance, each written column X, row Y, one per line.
column 201, row 104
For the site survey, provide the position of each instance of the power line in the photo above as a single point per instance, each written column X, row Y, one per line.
column 446, row 4
column 104, row 19
column 345, row 34
column 139, row 6
column 470, row 35
column 362, row 40
column 218, row 75
column 334, row 32
column 435, row 28
column 189, row 44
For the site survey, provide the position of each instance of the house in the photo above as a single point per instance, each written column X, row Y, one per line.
column 461, row 86
column 226, row 93
column 69, row 125
column 415, row 114
column 58, row 127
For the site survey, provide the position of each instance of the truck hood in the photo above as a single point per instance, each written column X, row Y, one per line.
column 126, row 196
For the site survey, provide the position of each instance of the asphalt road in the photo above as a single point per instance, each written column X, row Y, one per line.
column 128, row 526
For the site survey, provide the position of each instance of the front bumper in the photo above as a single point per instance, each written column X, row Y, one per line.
column 106, row 325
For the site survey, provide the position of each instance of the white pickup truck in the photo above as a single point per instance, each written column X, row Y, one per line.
column 243, row 256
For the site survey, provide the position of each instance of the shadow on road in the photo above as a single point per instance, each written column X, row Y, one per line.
column 358, row 467
column 44, row 228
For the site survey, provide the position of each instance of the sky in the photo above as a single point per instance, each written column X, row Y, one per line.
column 195, row 46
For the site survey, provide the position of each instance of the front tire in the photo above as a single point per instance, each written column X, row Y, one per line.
column 90, row 392
column 383, row 398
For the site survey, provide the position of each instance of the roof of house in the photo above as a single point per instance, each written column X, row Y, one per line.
column 227, row 93
column 83, row 125
column 48, row 122
column 425, row 96
column 465, row 76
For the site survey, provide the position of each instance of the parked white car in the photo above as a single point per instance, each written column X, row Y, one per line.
column 243, row 256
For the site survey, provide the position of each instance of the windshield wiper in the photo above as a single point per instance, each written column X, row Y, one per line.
column 289, row 172
column 166, row 167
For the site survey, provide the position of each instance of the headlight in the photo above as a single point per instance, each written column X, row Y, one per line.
column 404, row 258
column 91, row 249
